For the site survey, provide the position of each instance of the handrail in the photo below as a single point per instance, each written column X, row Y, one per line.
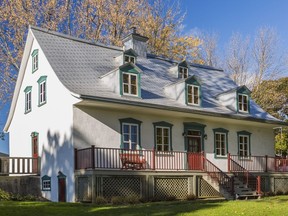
column 217, row 174
column 245, row 176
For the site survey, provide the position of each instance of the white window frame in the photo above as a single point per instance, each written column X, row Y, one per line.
column 222, row 144
column 183, row 72
column 129, row 84
column 242, row 144
column 129, row 142
column 192, row 94
column 42, row 92
column 28, row 101
column 129, row 59
column 46, row 185
column 162, row 138
column 35, row 61
column 242, row 102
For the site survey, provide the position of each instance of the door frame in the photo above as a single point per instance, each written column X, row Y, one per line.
column 193, row 126
column 62, row 177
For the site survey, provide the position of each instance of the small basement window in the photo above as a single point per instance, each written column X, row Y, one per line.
column 46, row 183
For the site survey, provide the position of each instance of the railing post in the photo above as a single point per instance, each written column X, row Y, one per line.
column 275, row 164
column 203, row 161
column 93, row 156
column 153, row 159
column 229, row 157
column 75, row 159
column 258, row 184
column 266, row 162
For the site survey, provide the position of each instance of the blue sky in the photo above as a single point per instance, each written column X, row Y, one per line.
column 245, row 16
column 224, row 17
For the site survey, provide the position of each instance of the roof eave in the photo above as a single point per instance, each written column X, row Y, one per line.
column 177, row 109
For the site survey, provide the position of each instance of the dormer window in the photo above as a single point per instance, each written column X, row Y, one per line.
column 183, row 72
column 193, row 91
column 128, row 59
column 130, row 80
column 129, row 84
column 130, row 56
column 242, row 103
column 193, row 95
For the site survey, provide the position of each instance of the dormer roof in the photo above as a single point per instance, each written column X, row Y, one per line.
column 183, row 64
column 130, row 52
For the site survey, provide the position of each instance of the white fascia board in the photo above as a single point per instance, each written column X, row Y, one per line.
column 21, row 74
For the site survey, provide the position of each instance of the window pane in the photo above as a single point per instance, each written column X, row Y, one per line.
column 134, row 89
column 159, row 139
column 125, row 78
column 196, row 100
column 166, row 140
column 159, row 147
column 126, row 128
column 196, row 90
column 166, row 131
column 133, row 80
column 159, row 131
column 126, row 146
column 126, row 88
column 166, row 148
column 134, row 129
column 132, row 59
column 126, row 59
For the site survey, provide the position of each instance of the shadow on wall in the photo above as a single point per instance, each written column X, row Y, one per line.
column 58, row 156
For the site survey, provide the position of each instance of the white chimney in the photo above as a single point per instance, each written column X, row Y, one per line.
column 136, row 42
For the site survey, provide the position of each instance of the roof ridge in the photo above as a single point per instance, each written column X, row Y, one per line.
column 59, row 34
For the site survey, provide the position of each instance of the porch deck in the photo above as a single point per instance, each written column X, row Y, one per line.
column 112, row 158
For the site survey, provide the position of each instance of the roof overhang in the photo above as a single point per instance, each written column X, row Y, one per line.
column 177, row 111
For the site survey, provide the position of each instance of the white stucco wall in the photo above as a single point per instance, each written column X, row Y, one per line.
column 176, row 92
column 229, row 100
column 99, row 127
column 53, row 122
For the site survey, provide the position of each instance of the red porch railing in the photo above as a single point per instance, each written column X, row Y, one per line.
column 218, row 175
column 19, row 165
column 113, row 158
column 251, row 181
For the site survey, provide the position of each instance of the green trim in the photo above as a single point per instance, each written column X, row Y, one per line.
column 130, row 52
column 223, row 131
column 130, row 121
column 40, row 81
column 130, row 69
column 35, row 52
column 162, row 124
column 244, row 133
column 61, row 175
column 27, row 90
column 35, row 55
column 45, row 178
column 243, row 90
column 34, row 134
column 194, row 126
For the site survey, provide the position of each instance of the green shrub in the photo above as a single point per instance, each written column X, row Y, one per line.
column 191, row 197
column 132, row 200
column 117, row 200
column 170, row 198
column 29, row 198
column 101, row 200
column 4, row 195
column 279, row 192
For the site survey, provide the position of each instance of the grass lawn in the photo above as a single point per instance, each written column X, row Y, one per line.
column 267, row 206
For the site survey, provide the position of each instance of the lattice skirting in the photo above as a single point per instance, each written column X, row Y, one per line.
column 281, row 184
column 84, row 190
column 121, row 186
column 171, row 187
column 206, row 190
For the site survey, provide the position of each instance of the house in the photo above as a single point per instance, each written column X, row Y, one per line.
column 95, row 120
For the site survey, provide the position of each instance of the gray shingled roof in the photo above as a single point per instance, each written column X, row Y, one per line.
column 79, row 64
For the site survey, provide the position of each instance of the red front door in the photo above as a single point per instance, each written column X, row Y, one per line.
column 34, row 136
column 194, row 150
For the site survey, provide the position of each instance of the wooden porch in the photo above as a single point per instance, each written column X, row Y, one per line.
column 116, row 158
column 20, row 165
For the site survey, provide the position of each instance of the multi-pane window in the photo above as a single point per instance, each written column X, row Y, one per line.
column 128, row 58
column 130, row 136
column 42, row 93
column 243, row 103
column 183, row 72
column 46, row 183
column 220, row 144
column 28, row 101
column 193, row 95
column 129, row 84
column 162, row 138
column 243, row 145
column 35, row 60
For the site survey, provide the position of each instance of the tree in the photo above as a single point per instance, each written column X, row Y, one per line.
column 237, row 59
column 106, row 21
column 281, row 141
column 208, row 49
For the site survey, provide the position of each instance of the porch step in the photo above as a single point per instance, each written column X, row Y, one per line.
column 242, row 191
